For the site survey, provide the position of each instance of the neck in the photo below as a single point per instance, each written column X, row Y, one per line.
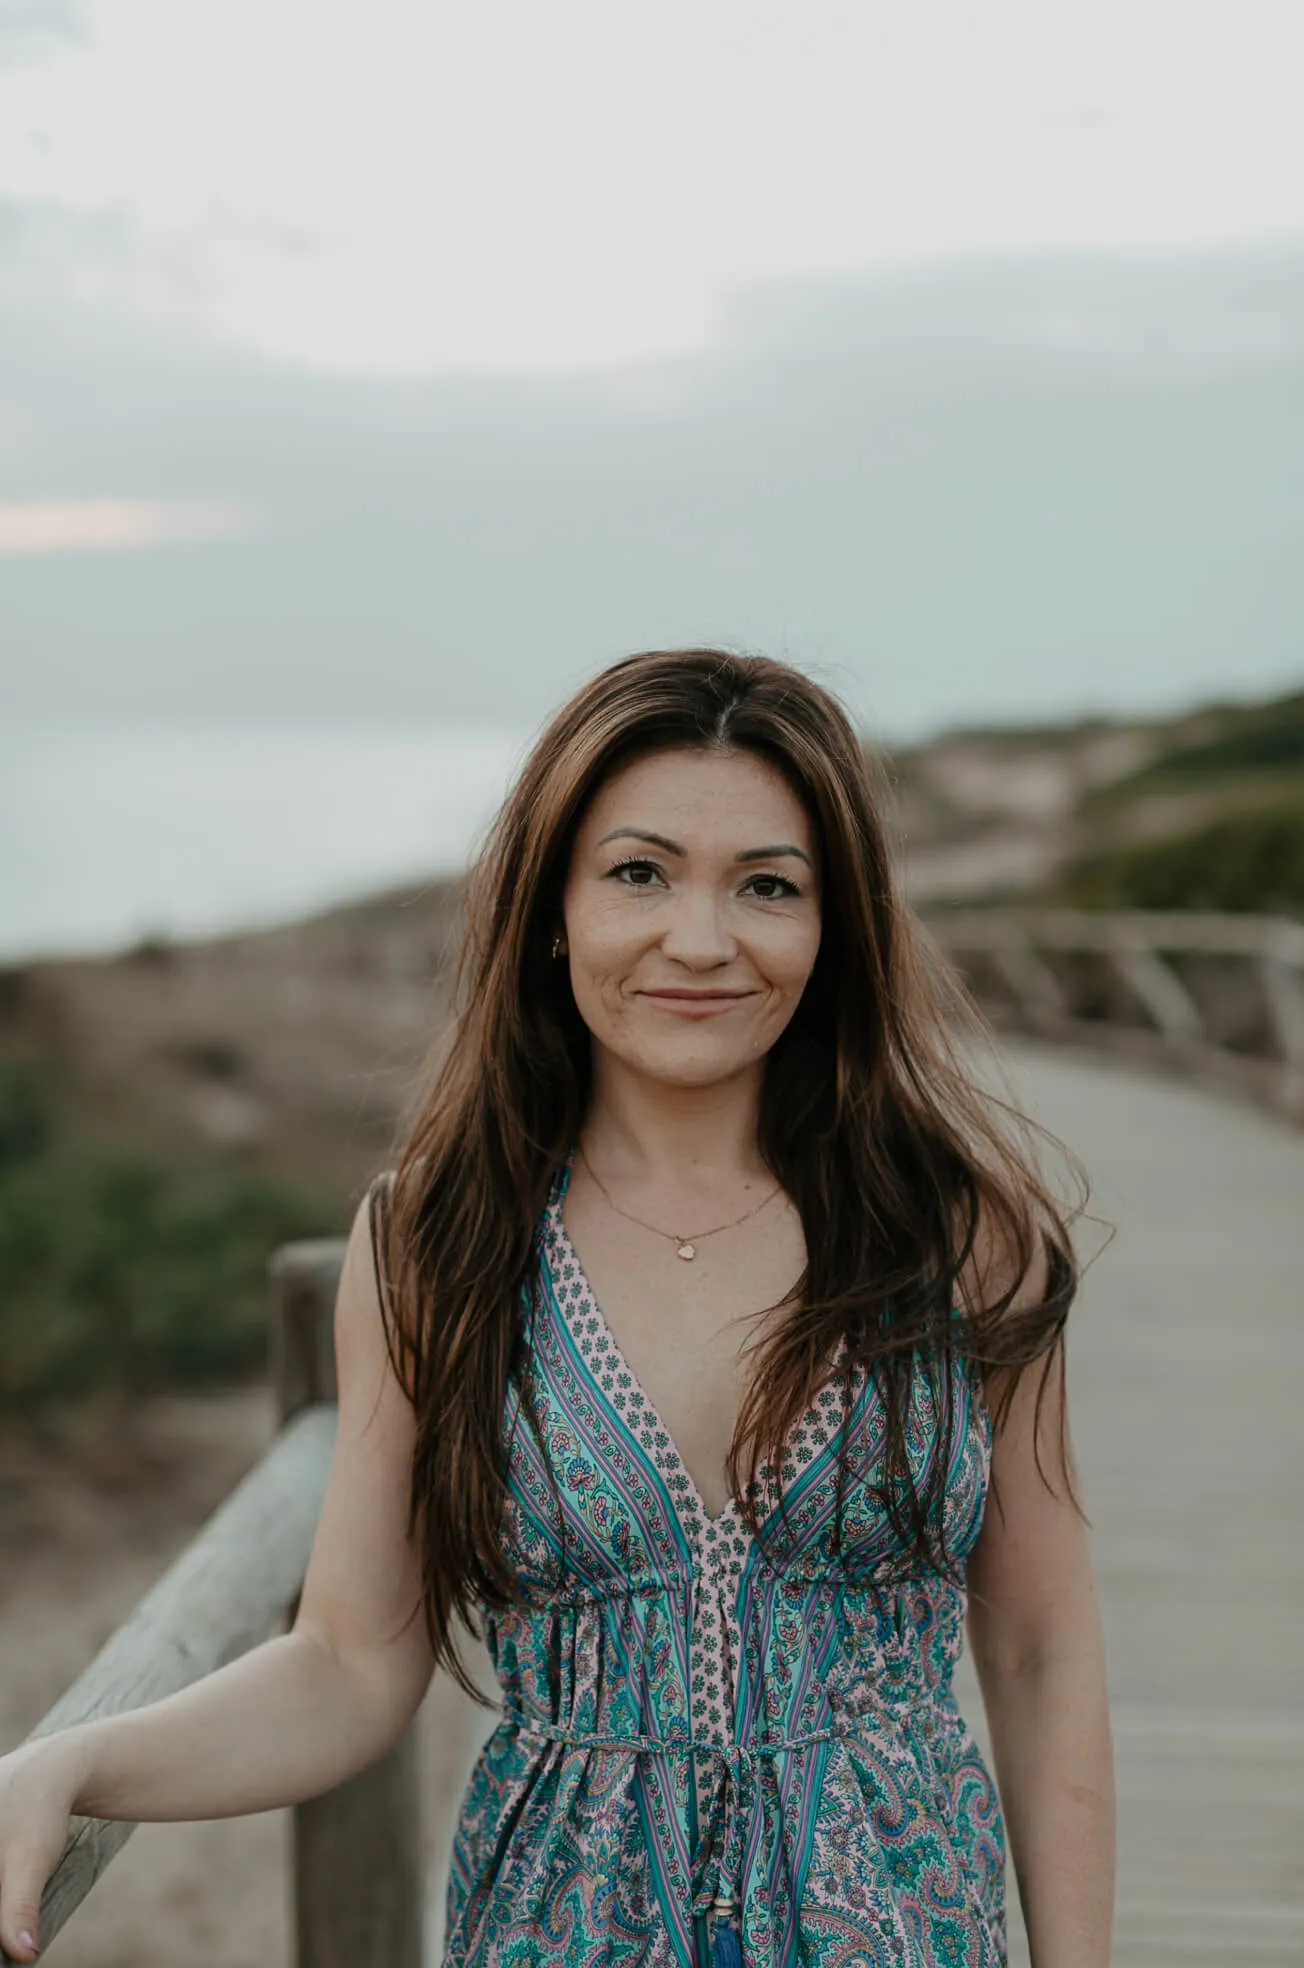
column 641, row 1127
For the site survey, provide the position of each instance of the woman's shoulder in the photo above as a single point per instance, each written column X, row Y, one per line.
column 1012, row 1262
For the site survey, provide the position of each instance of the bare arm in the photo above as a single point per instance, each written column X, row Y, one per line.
column 1034, row 1626
column 295, row 1716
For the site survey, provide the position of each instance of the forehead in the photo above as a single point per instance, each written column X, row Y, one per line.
column 695, row 793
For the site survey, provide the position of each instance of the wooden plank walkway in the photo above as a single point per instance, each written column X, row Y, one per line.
column 1187, row 1378
column 1187, row 1383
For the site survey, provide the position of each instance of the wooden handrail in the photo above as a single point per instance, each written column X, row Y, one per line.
column 220, row 1597
column 1090, row 929
column 1219, row 998
column 358, row 1889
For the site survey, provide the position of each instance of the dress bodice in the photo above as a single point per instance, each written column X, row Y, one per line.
column 700, row 1725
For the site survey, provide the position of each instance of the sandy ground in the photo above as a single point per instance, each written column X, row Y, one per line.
column 89, row 1517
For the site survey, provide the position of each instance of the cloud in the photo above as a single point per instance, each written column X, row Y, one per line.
column 1008, row 489
column 51, row 526
column 505, row 188
column 27, row 27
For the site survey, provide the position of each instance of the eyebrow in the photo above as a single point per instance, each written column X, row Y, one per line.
column 769, row 853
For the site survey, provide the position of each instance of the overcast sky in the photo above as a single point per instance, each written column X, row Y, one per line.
column 411, row 360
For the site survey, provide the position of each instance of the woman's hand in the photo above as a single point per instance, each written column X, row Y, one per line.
column 38, row 1785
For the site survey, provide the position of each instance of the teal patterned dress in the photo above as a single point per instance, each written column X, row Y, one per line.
column 711, row 1753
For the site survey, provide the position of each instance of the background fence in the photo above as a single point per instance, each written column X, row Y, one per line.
column 1219, row 998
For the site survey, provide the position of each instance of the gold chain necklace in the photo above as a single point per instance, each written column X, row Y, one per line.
column 685, row 1247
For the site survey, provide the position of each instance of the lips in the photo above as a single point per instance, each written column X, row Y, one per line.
column 697, row 1004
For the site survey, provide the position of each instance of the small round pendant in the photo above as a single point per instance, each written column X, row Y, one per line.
column 687, row 1252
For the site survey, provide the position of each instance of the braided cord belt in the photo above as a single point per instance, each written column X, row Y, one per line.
column 733, row 1752
column 721, row 1886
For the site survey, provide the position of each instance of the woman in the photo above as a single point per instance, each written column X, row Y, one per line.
column 708, row 1301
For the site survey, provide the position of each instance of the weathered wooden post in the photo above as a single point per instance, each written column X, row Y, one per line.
column 1281, row 974
column 1152, row 982
column 358, row 1884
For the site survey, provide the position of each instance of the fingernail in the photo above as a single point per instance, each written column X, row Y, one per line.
column 27, row 1940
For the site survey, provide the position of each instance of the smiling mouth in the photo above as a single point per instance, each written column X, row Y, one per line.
column 697, row 1004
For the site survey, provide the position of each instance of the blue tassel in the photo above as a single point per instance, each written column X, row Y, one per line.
column 727, row 1953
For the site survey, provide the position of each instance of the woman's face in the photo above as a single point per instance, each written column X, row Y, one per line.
column 692, row 914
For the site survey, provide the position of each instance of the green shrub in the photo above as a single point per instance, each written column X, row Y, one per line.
column 1261, row 737
column 119, row 1273
column 1251, row 861
column 27, row 1111
column 1254, row 741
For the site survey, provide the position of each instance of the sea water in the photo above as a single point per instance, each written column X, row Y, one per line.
column 114, row 834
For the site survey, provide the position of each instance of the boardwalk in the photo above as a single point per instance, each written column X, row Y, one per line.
column 1187, row 1378
column 1187, row 1373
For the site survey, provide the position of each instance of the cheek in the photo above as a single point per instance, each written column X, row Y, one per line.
column 603, row 939
column 789, row 956
column 604, row 949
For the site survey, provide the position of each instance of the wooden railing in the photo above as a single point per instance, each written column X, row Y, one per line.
column 358, row 1887
column 1217, row 998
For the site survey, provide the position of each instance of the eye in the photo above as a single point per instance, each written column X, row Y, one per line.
column 773, row 888
column 635, row 873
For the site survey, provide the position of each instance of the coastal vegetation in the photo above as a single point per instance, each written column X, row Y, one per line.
column 1202, row 811
column 120, row 1272
column 1212, row 819
column 1249, row 746
column 1246, row 861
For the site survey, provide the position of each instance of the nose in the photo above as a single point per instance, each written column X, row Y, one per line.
column 698, row 932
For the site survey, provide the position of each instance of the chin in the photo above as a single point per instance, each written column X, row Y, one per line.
column 693, row 1068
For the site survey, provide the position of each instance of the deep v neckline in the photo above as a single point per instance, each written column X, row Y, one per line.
column 640, row 1414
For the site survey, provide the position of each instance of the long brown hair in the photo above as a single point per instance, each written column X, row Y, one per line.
column 913, row 1191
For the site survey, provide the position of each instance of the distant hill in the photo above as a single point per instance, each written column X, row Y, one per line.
column 1213, row 820
column 1203, row 811
column 1249, row 744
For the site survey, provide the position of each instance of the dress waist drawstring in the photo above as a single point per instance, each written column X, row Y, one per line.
column 720, row 1892
column 673, row 1745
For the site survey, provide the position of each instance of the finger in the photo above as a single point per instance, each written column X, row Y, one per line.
column 20, row 1905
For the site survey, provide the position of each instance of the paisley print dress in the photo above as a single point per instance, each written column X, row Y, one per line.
column 710, row 1750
